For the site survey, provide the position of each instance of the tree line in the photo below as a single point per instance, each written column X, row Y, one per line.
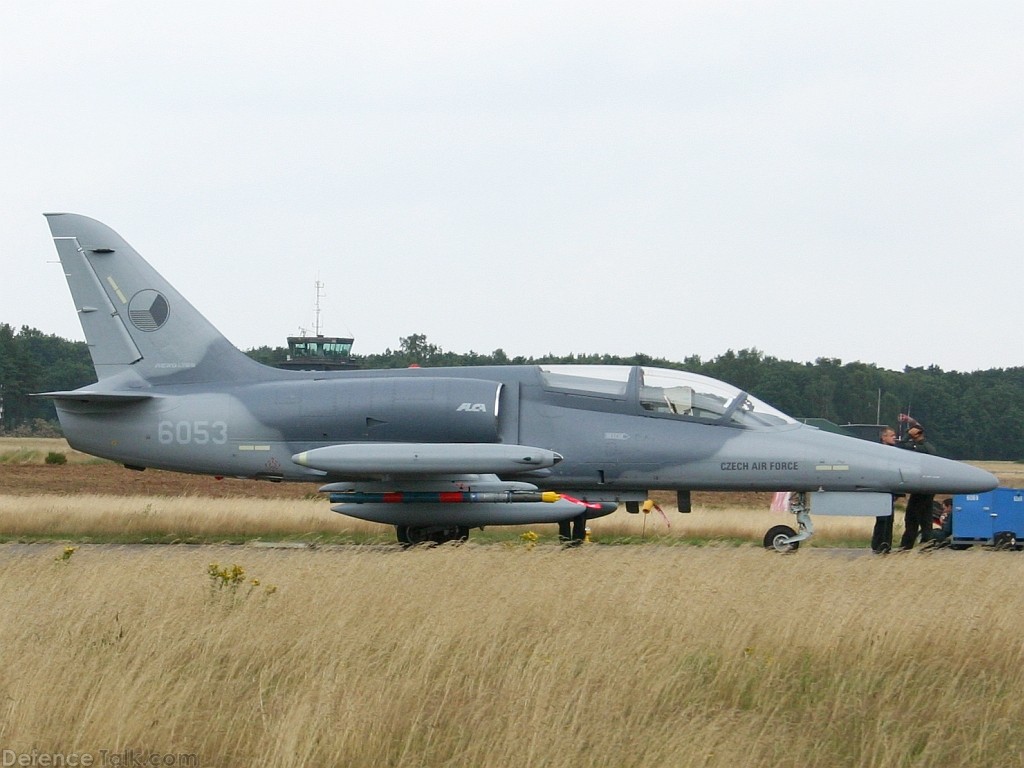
column 977, row 415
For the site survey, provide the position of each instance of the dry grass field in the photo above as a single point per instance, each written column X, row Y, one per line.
column 513, row 656
column 693, row 647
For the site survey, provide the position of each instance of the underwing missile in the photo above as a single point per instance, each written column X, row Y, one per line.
column 444, row 497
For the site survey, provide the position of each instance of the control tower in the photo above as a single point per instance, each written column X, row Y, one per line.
column 318, row 352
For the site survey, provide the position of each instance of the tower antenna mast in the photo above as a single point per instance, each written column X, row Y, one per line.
column 316, row 306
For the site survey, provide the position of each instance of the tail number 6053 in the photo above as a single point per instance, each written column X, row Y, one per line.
column 192, row 432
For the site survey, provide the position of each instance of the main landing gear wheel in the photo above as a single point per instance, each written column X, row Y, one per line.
column 410, row 534
column 777, row 539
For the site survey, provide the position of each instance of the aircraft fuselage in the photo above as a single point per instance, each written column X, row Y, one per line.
column 608, row 443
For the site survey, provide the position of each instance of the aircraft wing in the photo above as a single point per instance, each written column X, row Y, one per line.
column 438, row 485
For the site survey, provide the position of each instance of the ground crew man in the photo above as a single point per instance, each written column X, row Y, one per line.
column 918, row 518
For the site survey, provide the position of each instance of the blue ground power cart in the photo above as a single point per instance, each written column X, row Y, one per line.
column 995, row 518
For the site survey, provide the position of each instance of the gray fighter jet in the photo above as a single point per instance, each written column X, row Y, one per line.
column 438, row 451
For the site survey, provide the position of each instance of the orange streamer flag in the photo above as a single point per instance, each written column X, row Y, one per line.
column 780, row 501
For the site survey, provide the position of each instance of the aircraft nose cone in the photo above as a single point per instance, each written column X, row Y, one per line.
column 937, row 475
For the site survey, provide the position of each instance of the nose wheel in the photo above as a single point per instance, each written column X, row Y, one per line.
column 780, row 538
column 783, row 538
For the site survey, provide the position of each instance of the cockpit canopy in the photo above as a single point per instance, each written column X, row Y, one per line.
column 667, row 393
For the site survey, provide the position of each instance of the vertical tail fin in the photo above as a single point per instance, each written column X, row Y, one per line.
column 133, row 318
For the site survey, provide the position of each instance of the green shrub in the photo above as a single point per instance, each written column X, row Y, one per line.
column 55, row 457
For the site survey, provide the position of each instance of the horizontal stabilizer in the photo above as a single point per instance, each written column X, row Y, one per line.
column 108, row 398
column 426, row 458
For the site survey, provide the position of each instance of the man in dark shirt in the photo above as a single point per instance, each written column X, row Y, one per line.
column 919, row 506
column 881, row 536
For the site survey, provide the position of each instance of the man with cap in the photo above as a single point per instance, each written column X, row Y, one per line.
column 918, row 516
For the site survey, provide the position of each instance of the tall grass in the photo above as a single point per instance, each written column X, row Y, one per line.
column 514, row 656
column 33, row 450
column 175, row 519
column 192, row 518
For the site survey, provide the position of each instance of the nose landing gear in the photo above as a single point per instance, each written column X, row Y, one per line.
column 783, row 538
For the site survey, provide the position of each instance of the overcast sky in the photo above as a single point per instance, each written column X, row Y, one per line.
column 811, row 179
